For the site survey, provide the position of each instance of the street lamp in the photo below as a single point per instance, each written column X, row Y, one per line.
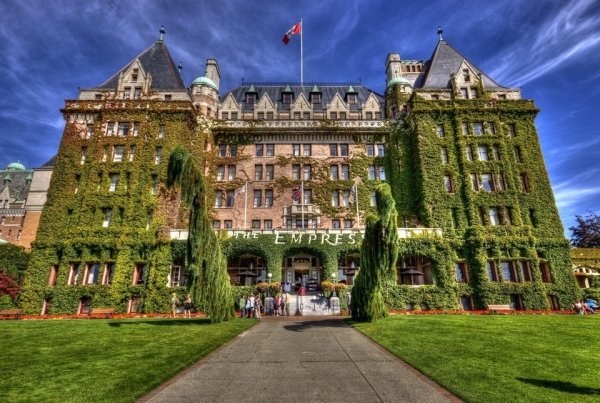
column 334, row 279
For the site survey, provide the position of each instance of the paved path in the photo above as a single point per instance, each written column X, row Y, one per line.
column 300, row 360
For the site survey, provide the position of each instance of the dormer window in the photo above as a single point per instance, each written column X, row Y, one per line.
column 351, row 98
column 466, row 75
column 250, row 98
column 137, row 93
column 134, row 75
column 287, row 97
column 315, row 98
column 127, row 93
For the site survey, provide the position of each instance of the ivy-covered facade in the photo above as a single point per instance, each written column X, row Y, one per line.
column 291, row 171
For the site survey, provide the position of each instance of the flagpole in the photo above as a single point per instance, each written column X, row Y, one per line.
column 301, row 55
column 245, row 204
column 302, row 204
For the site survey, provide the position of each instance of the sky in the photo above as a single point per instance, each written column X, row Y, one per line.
column 548, row 48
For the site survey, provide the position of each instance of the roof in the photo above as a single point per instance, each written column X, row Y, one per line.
column 15, row 166
column 50, row 163
column 205, row 80
column 327, row 90
column 18, row 183
column 446, row 61
column 157, row 61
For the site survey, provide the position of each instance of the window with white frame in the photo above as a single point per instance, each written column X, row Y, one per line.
column 444, row 155
column 334, row 172
column 157, row 155
column 114, row 182
column 257, row 201
column 73, row 273
column 92, row 273
column 221, row 172
column 107, row 213
column 270, row 172
column 345, row 172
column 268, row 198
column 482, row 152
column 132, row 150
column 118, row 152
column 123, row 129
column 307, row 172
column 176, row 276
column 477, row 129
column 494, row 216
column 109, row 272
column 487, row 182
column 296, row 172
column 231, row 172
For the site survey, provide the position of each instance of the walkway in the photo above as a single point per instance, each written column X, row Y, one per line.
column 291, row 359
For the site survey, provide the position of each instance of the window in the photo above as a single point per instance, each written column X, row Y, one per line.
column 234, row 115
column 255, row 224
column 228, row 224
column 109, row 272
column 85, row 305
column 268, row 198
column 250, row 98
column 270, row 150
column 287, row 97
column 176, row 276
column 104, row 154
column 154, row 187
column 345, row 202
column 52, row 275
column 444, row 155
column 490, row 128
column 123, row 130
column 381, row 173
column 126, row 92
column 466, row 302
column 268, row 224
column 477, row 129
column 511, row 130
column 114, row 182
column 259, row 150
column 296, row 150
column 343, row 115
column 118, row 152
column 344, row 150
column 524, row 182
column 157, row 155
column 373, row 199
column 335, row 224
column 297, row 115
column 371, row 150
column 462, row 273
column 231, row 172
column 487, row 182
column 216, row 224
column 466, row 75
column 380, row 150
column 139, row 274
column 496, row 152
column 131, row 153
column 89, row 130
column 260, row 115
column 222, row 150
column 315, row 98
column 73, row 274
column 233, row 150
column 93, row 270
column 230, row 198
column 454, row 218
column 307, row 150
column 333, row 171
column 501, row 182
column 494, row 216
column 492, row 270
column 296, row 172
column 448, row 183
column 269, row 115
column 482, row 152
column 516, row 302
column 137, row 94
column 508, row 272
column 110, row 128
column 136, row 129
column 524, row 267
column 545, row 272
column 348, row 224
column 474, row 93
column 345, row 172
column 257, row 198
column 369, row 116
column 270, row 172
column 333, row 115
column 306, row 115
column 107, row 212
column 532, row 218
column 221, row 173
column 335, row 198
column 469, row 152
column 371, row 171
column 307, row 196
column 465, row 128
column 351, row 98
column 517, row 154
column 83, row 153
column 464, row 93
column 307, row 172
column 333, row 150
column 440, row 130
column 258, row 172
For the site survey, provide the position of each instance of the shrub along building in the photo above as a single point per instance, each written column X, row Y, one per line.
column 292, row 171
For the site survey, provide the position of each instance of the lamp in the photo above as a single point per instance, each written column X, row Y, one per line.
column 334, row 278
column 269, row 275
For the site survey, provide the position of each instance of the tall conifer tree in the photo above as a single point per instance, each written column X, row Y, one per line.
column 378, row 255
column 207, row 265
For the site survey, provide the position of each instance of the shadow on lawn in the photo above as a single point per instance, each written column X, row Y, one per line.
column 561, row 386
column 161, row 322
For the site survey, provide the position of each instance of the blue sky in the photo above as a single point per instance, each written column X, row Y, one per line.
column 550, row 49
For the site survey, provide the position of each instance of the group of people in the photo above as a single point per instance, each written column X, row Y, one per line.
column 251, row 306
column 281, row 304
column 187, row 306
column 586, row 306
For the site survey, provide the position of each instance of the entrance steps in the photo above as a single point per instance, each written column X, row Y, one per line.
column 313, row 304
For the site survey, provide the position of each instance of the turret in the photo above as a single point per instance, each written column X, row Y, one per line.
column 205, row 90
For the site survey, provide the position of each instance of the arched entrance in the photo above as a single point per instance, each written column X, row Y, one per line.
column 302, row 269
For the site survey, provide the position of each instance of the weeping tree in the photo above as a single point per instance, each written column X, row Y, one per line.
column 378, row 255
column 209, row 281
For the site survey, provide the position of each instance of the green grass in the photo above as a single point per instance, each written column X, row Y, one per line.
column 101, row 360
column 497, row 358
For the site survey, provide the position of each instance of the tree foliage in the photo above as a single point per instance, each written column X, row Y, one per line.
column 378, row 256
column 586, row 234
column 204, row 257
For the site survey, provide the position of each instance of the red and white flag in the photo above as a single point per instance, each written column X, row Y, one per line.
column 295, row 30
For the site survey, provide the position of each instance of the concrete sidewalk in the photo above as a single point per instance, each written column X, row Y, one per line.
column 293, row 359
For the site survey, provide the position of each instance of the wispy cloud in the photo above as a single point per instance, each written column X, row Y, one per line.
column 571, row 32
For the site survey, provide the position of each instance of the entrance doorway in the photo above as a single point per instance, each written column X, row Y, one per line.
column 302, row 269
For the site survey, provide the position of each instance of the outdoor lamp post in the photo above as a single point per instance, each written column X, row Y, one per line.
column 334, row 280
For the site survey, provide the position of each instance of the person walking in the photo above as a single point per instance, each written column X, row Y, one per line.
column 174, row 304
column 250, row 306
column 286, row 304
column 257, row 307
column 187, row 306
column 242, row 305
column 276, row 304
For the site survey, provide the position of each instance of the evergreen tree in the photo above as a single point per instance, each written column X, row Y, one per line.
column 378, row 255
column 204, row 258
column 586, row 234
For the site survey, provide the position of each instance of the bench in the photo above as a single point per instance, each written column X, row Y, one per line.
column 499, row 308
column 104, row 312
column 11, row 313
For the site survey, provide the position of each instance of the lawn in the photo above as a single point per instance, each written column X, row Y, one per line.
column 101, row 360
column 498, row 358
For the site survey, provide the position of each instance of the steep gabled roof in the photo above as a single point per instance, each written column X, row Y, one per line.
column 157, row 61
column 446, row 61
